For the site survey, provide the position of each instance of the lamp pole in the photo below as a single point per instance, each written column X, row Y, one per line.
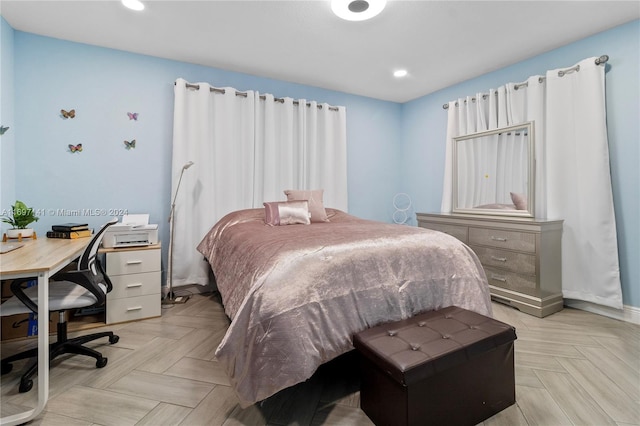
column 170, row 295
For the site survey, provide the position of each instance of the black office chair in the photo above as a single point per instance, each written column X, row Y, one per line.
column 82, row 288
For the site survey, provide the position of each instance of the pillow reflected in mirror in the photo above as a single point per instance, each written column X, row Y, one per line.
column 519, row 200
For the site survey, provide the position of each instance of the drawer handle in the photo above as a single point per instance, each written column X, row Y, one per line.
column 134, row 285
column 498, row 238
column 498, row 278
column 499, row 259
column 134, row 262
column 135, row 308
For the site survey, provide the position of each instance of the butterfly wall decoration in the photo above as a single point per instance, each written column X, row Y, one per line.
column 129, row 145
column 68, row 114
column 75, row 148
column 3, row 130
column 133, row 116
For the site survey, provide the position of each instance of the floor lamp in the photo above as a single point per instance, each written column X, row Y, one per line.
column 171, row 297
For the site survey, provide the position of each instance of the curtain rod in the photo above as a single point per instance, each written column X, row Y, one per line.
column 244, row 95
column 601, row 60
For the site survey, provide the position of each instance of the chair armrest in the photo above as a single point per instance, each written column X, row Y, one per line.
column 18, row 291
column 103, row 275
column 85, row 279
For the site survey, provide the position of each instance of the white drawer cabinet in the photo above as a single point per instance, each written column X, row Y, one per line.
column 521, row 256
column 135, row 275
column 125, row 261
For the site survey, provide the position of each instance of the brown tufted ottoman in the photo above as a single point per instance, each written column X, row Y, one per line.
column 449, row 367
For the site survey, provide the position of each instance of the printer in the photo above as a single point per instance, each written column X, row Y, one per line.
column 133, row 231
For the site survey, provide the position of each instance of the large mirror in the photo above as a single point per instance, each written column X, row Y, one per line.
column 493, row 172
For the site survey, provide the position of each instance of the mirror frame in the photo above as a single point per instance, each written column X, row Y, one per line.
column 530, row 212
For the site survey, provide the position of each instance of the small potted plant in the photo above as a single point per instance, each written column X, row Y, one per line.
column 21, row 216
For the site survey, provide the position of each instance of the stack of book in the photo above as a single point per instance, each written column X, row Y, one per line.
column 69, row 231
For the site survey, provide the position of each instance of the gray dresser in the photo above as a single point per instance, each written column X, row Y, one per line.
column 521, row 256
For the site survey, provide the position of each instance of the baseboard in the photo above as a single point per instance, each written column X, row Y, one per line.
column 627, row 313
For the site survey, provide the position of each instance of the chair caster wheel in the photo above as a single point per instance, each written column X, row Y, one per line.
column 114, row 339
column 6, row 368
column 25, row 385
column 101, row 362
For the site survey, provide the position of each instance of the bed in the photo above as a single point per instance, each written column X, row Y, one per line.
column 297, row 294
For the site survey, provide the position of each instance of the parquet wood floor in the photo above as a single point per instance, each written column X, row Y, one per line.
column 572, row 368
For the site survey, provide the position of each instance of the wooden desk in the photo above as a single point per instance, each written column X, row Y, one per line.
column 39, row 258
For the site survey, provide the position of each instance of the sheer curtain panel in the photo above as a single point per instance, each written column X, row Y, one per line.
column 247, row 148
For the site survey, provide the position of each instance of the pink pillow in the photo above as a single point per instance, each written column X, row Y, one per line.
column 316, row 206
column 520, row 200
column 287, row 213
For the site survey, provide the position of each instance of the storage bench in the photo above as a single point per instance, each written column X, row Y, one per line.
column 450, row 366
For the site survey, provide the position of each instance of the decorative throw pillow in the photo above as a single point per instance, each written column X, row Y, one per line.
column 287, row 213
column 519, row 200
column 316, row 206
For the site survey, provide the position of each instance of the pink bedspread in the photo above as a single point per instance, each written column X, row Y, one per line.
column 297, row 294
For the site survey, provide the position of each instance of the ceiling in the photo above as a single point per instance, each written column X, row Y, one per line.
column 440, row 43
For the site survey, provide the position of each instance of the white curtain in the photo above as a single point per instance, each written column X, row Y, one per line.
column 579, row 190
column 300, row 148
column 572, row 177
column 246, row 150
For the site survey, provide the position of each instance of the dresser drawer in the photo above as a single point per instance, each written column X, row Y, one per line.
column 509, row 280
column 512, row 240
column 459, row 232
column 133, row 308
column 509, row 260
column 133, row 262
column 134, row 285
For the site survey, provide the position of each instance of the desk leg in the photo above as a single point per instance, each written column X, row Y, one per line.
column 43, row 355
column 43, row 341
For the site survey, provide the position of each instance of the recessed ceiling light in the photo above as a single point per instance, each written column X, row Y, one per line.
column 133, row 4
column 357, row 10
column 400, row 73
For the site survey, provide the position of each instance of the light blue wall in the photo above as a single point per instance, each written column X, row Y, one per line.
column 102, row 85
column 7, row 141
column 424, row 125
